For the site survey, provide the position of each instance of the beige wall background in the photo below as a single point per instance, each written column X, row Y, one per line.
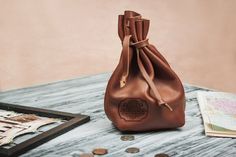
column 50, row 40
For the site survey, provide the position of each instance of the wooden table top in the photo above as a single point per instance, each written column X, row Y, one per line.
column 85, row 95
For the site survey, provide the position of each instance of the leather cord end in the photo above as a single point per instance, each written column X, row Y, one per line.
column 166, row 105
column 122, row 81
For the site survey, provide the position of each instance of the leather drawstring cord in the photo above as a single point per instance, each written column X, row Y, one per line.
column 138, row 45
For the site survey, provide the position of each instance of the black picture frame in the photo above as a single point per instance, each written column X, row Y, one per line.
column 72, row 121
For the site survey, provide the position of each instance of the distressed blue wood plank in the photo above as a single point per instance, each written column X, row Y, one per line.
column 85, row 95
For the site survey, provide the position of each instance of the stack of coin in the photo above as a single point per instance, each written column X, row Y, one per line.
column 132, row 150
column 161, row 155
column 100, row 151
column 127, row 138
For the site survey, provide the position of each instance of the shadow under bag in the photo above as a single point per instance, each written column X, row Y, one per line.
column 143, row 93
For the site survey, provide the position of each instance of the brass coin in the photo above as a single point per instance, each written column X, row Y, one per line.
column 132, row 150
column 127, row 138
column 162, row 155
column 100, row 151
column 86, row 155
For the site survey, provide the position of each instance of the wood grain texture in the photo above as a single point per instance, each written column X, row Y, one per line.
column 85, row 95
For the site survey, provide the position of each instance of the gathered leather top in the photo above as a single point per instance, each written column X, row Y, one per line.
column 130, row 40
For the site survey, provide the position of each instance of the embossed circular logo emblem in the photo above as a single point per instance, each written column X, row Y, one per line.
column 133, row 109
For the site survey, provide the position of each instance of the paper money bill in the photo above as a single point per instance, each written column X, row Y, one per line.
column 14, row 124
column 219, row 113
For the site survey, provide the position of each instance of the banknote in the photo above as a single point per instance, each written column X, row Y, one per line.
column 14, row 124
column 218, row 111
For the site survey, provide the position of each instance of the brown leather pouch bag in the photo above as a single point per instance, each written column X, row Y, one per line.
column 143, row 93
